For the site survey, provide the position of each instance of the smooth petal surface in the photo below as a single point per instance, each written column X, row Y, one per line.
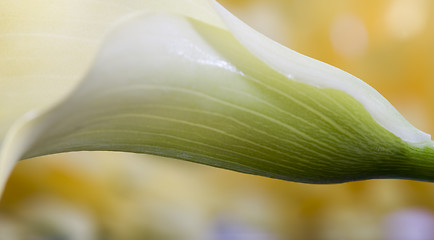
column 46, row 46
column 181, row 85
column 304, row 69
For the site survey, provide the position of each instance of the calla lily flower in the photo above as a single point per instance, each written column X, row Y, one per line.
column 186, row 79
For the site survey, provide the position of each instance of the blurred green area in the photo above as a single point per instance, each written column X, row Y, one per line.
column 387, row 43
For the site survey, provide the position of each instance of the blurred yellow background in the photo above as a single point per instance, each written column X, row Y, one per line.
column 387, row 43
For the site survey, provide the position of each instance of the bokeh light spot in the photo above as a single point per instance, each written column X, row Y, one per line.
column 349, row 36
